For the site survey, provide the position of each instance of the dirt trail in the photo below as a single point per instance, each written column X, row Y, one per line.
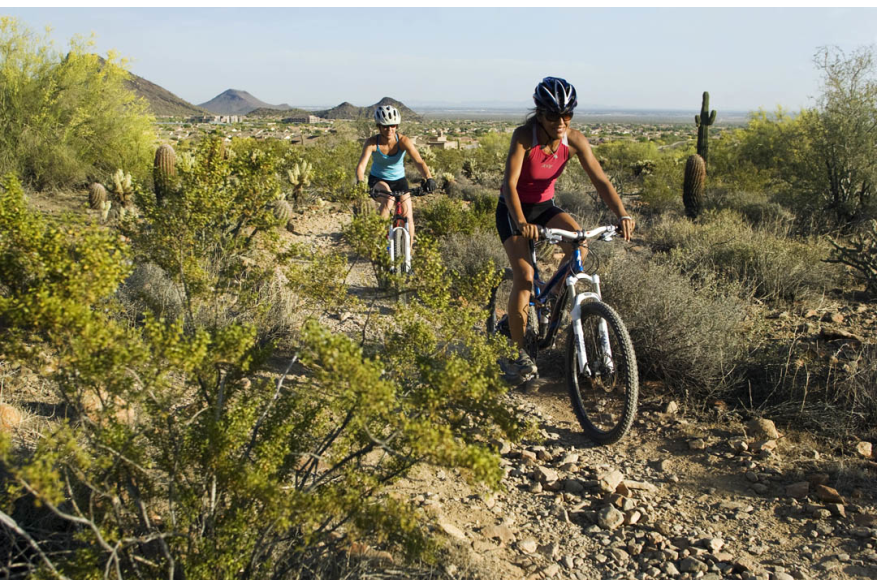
column 676, row 498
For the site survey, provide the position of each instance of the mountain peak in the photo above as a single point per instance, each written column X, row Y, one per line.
column 233, row 101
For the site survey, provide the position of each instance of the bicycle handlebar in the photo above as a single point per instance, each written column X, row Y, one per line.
column 416, row 191
column 556, row 235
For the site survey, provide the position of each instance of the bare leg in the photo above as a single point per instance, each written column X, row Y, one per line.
column 408, row 210
column 385, row 203
column 518, row 250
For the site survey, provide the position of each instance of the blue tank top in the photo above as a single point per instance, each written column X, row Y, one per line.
column 388, row 167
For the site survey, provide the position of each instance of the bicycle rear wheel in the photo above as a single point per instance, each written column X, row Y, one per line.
column 604, row 395
column 497, row 316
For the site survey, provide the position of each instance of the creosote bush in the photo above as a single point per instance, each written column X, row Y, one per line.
column 446, row 216
column 182, row 457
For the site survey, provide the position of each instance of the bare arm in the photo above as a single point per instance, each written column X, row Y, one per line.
column 514, row 163
column 406, row 144
column 367, row 149
column 598, row 177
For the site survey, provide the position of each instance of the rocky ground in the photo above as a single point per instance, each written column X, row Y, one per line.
column 706, row 497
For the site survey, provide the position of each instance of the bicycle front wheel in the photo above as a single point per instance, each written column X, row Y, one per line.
column 604, row 393
column 400, row 246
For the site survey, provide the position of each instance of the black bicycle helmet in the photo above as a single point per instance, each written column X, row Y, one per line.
column 554, row 94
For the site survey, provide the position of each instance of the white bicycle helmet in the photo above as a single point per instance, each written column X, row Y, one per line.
column 387, row 115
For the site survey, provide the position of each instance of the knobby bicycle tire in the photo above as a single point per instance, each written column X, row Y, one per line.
column 400, row 246
column 604, row 403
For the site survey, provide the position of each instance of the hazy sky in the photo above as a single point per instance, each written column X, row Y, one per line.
column 626, row 57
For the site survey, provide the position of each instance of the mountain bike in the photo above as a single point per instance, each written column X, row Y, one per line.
column 398, row 241
column 601, row 372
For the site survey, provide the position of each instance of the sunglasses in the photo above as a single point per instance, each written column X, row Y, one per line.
column 388, row 125
column 554, row 117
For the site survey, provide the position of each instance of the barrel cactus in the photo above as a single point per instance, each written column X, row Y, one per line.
column 123, row 189
column 693, row 185
column 97, row 196
column 703, row 121
column 164, row 171
column 282, row 211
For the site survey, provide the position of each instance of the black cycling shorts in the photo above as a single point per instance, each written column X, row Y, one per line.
column 396, row 185
column 539, row 214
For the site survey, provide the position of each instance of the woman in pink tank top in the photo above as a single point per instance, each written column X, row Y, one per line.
column 538, row 153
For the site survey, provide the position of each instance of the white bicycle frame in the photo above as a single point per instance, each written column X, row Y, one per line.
column 555, row 235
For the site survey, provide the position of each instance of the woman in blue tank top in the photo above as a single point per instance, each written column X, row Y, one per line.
column 387, row 151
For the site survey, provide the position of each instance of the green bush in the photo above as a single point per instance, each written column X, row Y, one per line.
column 67, row 118
column 445, row 215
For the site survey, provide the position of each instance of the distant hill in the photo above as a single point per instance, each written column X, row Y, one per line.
column 349, row 111
column 161, row 101
column 238, row 102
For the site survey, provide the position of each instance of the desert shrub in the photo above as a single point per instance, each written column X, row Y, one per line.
column 334, row 166
column 662, row 188
column 67, row 118
column 686, row 333
column 180, row 458
column 470, row 254
column 759, row 210
column 583, row 206
column 824, row 386
column 621, row 160
column 770, row 267
column 860, row 254
column 446, row 216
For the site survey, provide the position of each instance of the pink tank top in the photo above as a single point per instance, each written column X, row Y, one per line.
column 540, row 171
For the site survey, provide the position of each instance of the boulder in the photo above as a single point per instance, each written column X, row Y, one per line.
column 609, row 518
column 798, row 490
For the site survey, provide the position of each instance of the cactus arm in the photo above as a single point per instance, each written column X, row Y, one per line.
column 712, row 117
column 697, row 119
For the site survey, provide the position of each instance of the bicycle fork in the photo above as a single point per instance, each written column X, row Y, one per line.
column 392, row 248
column 603, row 329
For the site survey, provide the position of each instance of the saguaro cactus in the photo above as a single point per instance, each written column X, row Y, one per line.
column 703, row 121
column 163, row 171
column 693, row 185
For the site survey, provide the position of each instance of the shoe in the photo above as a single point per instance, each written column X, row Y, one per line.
column 524, row 364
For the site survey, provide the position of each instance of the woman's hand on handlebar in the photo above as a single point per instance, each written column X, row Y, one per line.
column 626, row 227
column 529, row 231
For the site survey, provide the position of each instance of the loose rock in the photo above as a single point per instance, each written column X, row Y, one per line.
column 609, row 518
column 762, row 429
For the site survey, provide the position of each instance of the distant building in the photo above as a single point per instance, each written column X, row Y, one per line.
column 303, row 118
column 442, row 142
column 218, row 119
